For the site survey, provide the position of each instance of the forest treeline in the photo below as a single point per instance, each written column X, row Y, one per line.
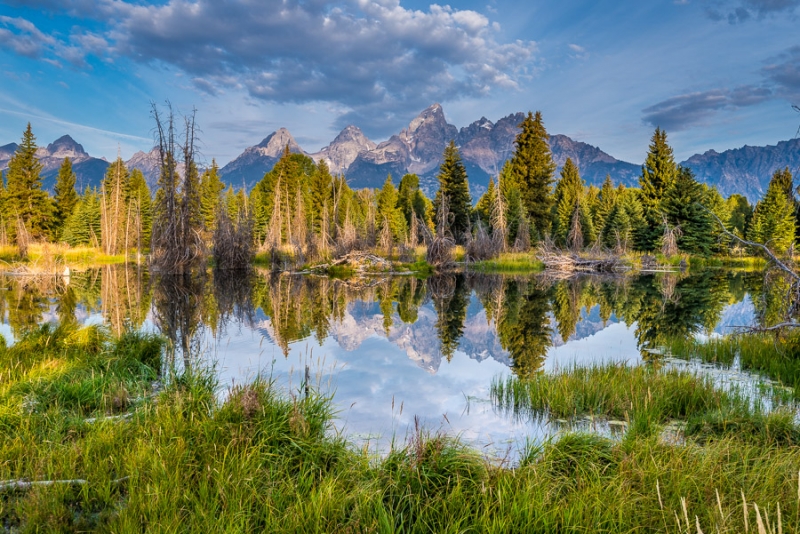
column 300, row 212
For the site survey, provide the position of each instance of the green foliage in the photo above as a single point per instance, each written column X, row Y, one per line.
column 486, row 203
column 685, row 206
column 606, row 200
column 658, row 173
column 567, row 198
column 773, row 222
column 531, row 171
column 453, row 185
column 83, row 226
column 389, row 211
column 140, row 210
column 741, row 212
column 66, row 198
column 211, row 188
column 24, row 197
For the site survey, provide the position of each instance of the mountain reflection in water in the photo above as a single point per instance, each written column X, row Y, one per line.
column 391, row 348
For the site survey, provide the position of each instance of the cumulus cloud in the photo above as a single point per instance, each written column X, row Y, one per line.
column 375, row 57
column 682, row 111
column 24, row 38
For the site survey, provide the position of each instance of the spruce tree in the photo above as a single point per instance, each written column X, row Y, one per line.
column 658, row 173
column 25, row 199
column 211, row 188
column 741, row 212
column 66, row 198
column 682, row 205
column 321, row 194
column 484, row 206
column 567, row 196
column 140, row 210
column 453, row 184
column 532, row 168
column 773, row 221
column 114, row 207
column 389, row 212
column 605, row 203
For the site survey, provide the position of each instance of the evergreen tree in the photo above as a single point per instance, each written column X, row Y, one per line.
column 114, row 207
column 532, row 169
column 484, row 206
column 682, row 205
column 453, row 184
column 658, row 173
column 412, row 201
column 82, row 227
column 713, row 201
column 3, row 214
column 567, row 197
column 140, row 211
column 66, row 198
column 321, row 194
column 741, row 212
column 773, row 221
column 211, row 188
column 606, row 200
column 617, row 228
column 25, row 198
column 389, row 212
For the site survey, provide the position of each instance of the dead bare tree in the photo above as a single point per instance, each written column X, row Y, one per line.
column 176, row 245
column 499, row 221
column 669, row 241
column 233, row 239
column 575, row 236
column 440, row 245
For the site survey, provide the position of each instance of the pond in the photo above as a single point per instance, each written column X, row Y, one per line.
column 398, row 352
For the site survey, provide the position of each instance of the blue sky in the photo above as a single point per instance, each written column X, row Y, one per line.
column 716, row 74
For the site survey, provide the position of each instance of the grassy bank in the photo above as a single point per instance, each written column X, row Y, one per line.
column 509, row 263
column 129, row 448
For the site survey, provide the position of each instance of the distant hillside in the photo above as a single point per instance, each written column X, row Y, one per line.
column 745, row 170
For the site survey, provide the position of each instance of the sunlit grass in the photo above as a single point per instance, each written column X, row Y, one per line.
column 82, row 409
column 509, row 262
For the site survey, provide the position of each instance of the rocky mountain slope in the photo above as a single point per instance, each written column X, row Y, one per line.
column 87, row 168
column 250, row 166
column 484, row 145
column 745, row 170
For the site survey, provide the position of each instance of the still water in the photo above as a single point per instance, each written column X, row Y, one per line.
column 395, row 352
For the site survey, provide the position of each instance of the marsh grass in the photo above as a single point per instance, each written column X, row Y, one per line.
column 83, row 409
column 775, row 358
column 509, row 262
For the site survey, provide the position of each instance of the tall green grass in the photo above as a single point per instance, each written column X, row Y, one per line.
column 176, row 458
column 773, row 357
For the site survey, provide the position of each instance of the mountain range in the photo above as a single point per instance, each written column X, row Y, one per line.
column 484, row 146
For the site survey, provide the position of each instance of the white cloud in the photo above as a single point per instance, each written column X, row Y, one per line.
column 375, row 57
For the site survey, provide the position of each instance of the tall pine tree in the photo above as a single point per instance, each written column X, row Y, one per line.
column 66, row 198
column 211, row 188
column 773, row 221
column 567, row 196
column 683, row 206
column 532, row 169
column 25, row 199
column 658, row 173
column 453, row 184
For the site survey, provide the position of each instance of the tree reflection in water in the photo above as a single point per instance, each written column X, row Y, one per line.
column 525, row 316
